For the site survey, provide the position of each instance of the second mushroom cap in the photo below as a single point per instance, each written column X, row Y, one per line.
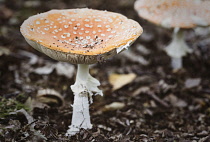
column 175, row 13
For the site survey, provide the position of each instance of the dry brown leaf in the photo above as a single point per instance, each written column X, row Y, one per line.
column 4, row 51
column 140, row 90
column 113, row 106
column 50, row 97
column 120, row 80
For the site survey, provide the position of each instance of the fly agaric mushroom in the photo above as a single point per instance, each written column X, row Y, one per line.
column 80, row 36
column 177, row 14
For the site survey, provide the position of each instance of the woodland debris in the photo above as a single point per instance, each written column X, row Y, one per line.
column 156, row 98
column 175, row 101
column 61, row 68
column 120, row 80
column 134, row 58
column 50, row 97
column 192, row 82
column 4, row 51
column 142, row 49
column 113, row 106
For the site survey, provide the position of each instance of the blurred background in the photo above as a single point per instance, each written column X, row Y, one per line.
column 152, row 102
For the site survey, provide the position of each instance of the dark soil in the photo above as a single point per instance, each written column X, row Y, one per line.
column 160, row 104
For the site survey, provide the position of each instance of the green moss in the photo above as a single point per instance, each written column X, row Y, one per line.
column 10, row 105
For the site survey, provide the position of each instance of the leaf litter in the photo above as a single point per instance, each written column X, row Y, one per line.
column 158, row 104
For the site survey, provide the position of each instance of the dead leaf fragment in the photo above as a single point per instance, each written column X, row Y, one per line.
column 50, row 97
column 65, row 69
column 135, row 58
column 142, row 49
column 33, row 59
column 105, row 128
column 175, row 101
column 45, row 70
column 113, row 106
column 120, row 80
column 140, row 90
column 61, row 68
column 33, row 103
column 192, row 82
column 25, row 113
column 4, row 51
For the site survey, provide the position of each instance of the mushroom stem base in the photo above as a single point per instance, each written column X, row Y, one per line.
column 177, row 49
column 84, row 88
column 81, row 115
column 176, row 63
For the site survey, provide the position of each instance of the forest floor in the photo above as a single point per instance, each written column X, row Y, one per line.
column 156, row 104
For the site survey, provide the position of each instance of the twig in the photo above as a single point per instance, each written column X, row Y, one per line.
column 156, row 98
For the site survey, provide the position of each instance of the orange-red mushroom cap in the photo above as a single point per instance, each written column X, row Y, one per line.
column 175, row 13
column 79, row 36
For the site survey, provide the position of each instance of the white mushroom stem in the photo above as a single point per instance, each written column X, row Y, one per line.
column 85, row 86
column 177, row 49
column 176, row 63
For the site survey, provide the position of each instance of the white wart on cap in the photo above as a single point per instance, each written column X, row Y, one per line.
column 175, row 13
column 80, row 36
